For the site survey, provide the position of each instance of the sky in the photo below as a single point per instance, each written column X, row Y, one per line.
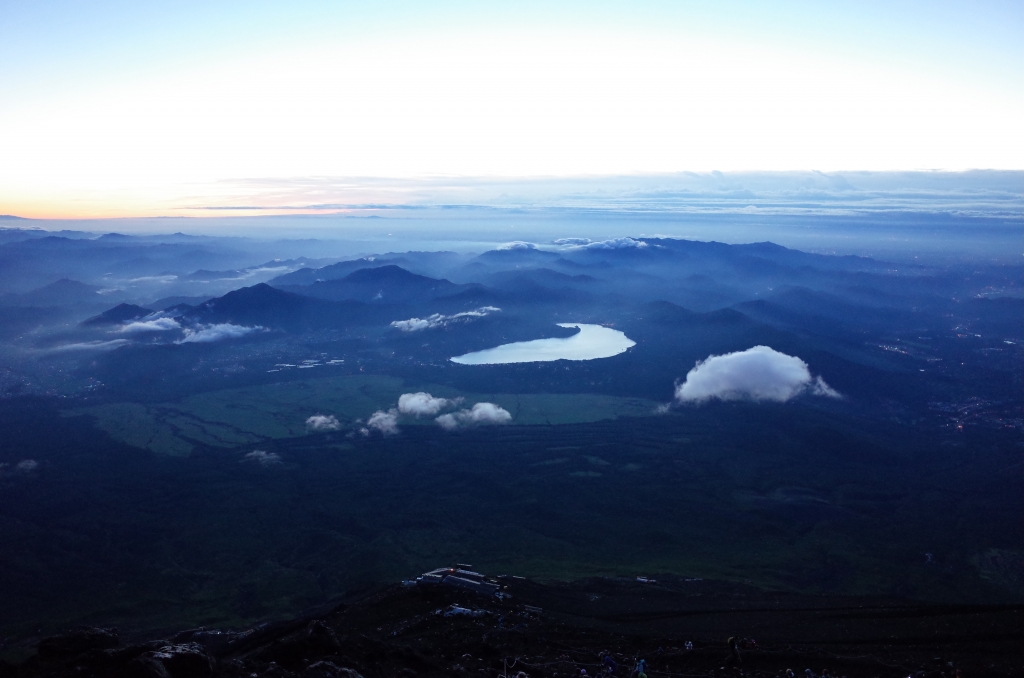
column 139, row 108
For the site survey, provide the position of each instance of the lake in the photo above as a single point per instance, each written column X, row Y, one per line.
column 590, row 343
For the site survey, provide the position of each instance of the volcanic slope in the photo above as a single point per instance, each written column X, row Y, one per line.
column 561, row 629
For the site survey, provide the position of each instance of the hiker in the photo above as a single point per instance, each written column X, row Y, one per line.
column 689, row 646
column 609, row 664
column 734, row 653
column 641, row 669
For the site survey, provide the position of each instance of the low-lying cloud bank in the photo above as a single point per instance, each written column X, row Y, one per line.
column 154, row 325
column 423, row 404
column 480, row 414
column 321, row 422
column 610, row 244
column 438, row 320
column 208, row 333
column 581, row 244
column 617, row 244
column 90, row 346
column 759, row 373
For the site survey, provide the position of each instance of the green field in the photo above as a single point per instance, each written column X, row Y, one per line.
column 233, row 417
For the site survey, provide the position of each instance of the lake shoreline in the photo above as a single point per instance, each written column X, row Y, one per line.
column 592, row 342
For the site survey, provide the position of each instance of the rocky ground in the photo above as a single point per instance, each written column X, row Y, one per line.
column 564, row 629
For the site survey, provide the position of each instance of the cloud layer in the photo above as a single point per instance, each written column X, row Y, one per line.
column 385, row 422
column 480, row 414
column 25, row 466
column 320, row 422
column 263, row 458
column 208, row 333
column 759, row 373
column 438, row 320
column 423, row 404
column 616, row 244
column 610, row 244
column 154, row 325
column 91, row 345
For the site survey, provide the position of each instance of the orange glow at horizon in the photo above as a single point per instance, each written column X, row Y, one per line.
column 238, row 132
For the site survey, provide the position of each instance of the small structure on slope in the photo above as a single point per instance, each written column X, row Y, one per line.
column 459, row 576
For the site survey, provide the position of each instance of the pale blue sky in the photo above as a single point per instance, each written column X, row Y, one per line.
column 145, row 103
column 45, row 44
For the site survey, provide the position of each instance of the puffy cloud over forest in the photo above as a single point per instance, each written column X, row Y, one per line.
column 479, row 414
column 758, row 373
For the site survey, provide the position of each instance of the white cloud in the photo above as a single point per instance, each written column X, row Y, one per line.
column 27, row 465
column 616, row 244
column 91, row 345
column 423, row 404
column 208, row 333
column 438, row 320
column 610, row 244
column 155, row 325
column 385, row 422
column 517, row 245
column 418, row 324
column 481, row 414
column 263, row 458
column 759, row 373
column 155, row 278
column 320, row 422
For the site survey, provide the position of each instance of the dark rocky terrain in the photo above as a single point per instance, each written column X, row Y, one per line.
column 562, row 629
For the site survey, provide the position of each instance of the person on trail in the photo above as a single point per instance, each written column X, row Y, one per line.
column 609, row 664
column 734, row 653
column 641, row 669
column 689, row 646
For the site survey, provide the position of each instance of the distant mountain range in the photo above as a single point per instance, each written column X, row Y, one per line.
column 388, row 284
column 63, row 292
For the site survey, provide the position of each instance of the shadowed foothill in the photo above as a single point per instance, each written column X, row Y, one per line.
column 455, row 621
